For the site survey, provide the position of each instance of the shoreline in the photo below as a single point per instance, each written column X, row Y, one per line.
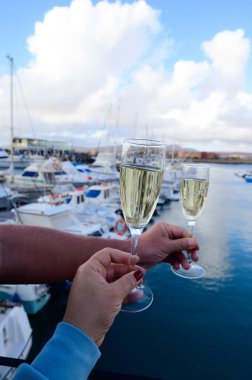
column 229, row 161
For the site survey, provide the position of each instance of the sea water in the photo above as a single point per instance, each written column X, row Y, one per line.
column 195, row 329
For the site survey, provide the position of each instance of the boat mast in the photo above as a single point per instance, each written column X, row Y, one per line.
column 11, row 117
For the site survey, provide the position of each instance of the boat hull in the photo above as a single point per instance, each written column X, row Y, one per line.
column 248, row 179
column 30, row 296
column 16, row 335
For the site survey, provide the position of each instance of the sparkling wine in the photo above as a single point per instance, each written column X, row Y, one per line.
column 193, row 196
column 140, row 189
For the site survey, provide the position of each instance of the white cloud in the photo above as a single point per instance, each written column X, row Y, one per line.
column 82, row 55
column 228, row 52
column 86, row 59
column 200, row 102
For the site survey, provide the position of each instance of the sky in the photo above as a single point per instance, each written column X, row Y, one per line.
column 95, row 72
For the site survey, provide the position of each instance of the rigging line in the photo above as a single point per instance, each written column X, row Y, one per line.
column 107, row 118
column 26, row 106
column 118, row 113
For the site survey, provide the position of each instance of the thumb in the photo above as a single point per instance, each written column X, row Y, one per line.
column 126, row 283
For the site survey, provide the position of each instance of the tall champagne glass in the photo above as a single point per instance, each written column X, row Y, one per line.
column 193, row 194
column 141, row 176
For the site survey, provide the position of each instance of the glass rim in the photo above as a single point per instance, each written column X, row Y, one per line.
column 148, row 142
column 203, row 166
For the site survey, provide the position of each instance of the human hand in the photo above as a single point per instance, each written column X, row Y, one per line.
column 165, row 242
column 99, row 289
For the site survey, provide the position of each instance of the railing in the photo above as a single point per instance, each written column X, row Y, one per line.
column 95, row 374
column 105, row 375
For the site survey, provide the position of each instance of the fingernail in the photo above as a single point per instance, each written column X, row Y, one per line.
column 138, row 274
column 134, row 259
column 191, row 243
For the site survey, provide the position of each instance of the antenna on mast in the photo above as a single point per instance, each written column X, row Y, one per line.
column 11, row 116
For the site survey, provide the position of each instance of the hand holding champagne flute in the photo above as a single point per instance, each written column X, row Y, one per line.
column 193, row 191
column 141, row 176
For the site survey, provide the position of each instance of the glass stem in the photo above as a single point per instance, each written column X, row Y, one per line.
column 135, row 234
column 191, row 224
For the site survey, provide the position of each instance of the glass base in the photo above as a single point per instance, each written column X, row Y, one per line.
column 195, row 271
column 139, row 299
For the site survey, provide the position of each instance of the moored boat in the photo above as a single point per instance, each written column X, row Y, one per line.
column 64, row 194
column 96, row 203
column 248, row 178
column 243, row 173
column 45, row 175
column 104, row 167
column 32, row 296
column 10, row 198
column 59, row 217
column 15, row 335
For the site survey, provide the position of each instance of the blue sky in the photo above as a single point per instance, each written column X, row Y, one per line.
column 174, row 35
column 187, row 22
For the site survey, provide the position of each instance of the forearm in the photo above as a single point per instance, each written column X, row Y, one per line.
column 42, row 255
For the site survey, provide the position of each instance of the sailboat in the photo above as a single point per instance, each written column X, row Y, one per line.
column 12, row 161
column 104, row 167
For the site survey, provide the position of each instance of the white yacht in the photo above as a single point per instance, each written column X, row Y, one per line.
column 76, row 177
column 15, row 335
column 102, row 201
column 32, row 296
column 33, row 177
column 96, row 203
column 59, row 217
column 3, row 154
column 171, row 183
column 18, row 161
column 104, row 193
column 8, row 197
column 243, row 173
column 104, row 167
column 5, row 196
column 45, row 175
column 65, row 194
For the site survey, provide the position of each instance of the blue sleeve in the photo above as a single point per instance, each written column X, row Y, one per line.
column 69, row 354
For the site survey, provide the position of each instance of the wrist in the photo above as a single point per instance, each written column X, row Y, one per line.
column 52, row 364
column 86, row 328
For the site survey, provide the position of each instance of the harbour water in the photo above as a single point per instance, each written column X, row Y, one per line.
column 195, row 329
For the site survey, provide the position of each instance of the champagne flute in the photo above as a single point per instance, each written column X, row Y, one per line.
column 141, row 176
column 193, row 191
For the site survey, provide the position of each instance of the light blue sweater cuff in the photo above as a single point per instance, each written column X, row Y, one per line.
column 69, row 354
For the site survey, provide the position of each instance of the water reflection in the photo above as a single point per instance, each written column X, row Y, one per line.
column 213, row 232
